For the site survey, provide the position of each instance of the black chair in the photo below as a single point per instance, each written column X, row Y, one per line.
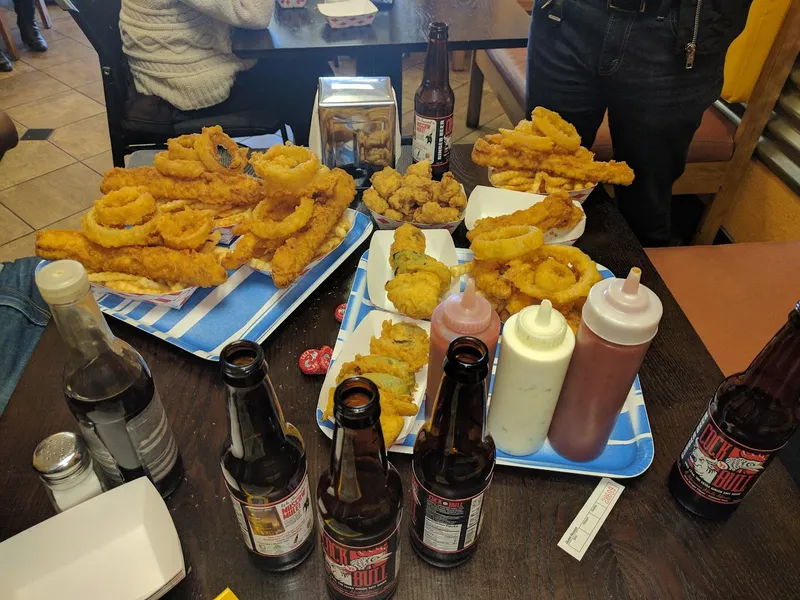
column 137, row 121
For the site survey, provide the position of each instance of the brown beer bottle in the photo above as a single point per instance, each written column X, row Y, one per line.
column 264, row 464
column 434, row 103
column 359, row 500
column 749, row 419
column 453, row 460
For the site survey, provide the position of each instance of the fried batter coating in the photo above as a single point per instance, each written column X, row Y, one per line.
column 488, row 278
column 409, row 261
column 406, row 237
column 423, row 169
column 405, row 341
column 386, row 182
column 414, row 294
column 557, row 211
column 406, row 199
column 374, row 201
column 434, row 213
column 379, row 364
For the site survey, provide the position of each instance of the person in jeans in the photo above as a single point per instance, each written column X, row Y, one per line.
column 28, row 31
column 8, row 134
column 656, row 67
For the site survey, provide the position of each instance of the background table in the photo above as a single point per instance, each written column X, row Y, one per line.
column 398, row 28
column 648, row 548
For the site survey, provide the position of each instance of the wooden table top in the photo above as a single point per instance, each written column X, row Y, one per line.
column 648, row 548
column 401, row 27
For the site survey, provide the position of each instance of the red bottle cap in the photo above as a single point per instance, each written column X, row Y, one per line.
column 316, row 361
column 340, row 310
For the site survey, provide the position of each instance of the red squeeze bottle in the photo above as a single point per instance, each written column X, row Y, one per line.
column 618, row 322
column 459, row 315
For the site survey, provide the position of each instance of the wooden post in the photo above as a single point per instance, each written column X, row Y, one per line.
column 45, row 14
column 765, row 93
column 8, row 39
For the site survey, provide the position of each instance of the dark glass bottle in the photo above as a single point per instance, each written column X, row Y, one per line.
column 359, row 500
column 434, row 104
column 108, row 387
column 750, row 418
column 264, row 464
column 454, row 460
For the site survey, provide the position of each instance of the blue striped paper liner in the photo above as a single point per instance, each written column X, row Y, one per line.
column 247, row 306
column 629, row 451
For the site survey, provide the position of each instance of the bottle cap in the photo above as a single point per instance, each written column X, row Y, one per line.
column 63, row 282
column 623, row 311
column 60, row 456
column 541, row 327
column 467, row 313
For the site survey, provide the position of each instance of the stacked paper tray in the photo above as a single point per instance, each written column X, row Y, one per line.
column 629, row 452
column 247, row 306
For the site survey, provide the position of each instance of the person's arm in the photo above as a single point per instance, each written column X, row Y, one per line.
column 8, row 134
column 248, row 14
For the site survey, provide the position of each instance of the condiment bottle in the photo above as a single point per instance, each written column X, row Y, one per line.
column 264, row 464
column 618, row 322
column 359, row 500
column 460, row 314
column 434, row 104
column 534, row 356
column 750, row 418
column 67, row 470
column 108, row 386
column 454, row 459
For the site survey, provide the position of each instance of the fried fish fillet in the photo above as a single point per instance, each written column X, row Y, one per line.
column 155, row 262
column 557, row 211
column 293, row 256
column 578, row 166
column 210, row 188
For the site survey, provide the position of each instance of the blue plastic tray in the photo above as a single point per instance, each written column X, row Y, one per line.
column 629, row 452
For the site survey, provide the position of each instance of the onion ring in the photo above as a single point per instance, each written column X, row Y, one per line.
column 110, row 237
column 488, row 279
column 513, row 138
column 182, row 147
column 206, row 147
column 285, row 168
column 184, row 230
column 552, row 275
column 125, row 206
column 182, row 169
column 554, row 126
column 269, row 229
column 523, row 275
column 507, row 243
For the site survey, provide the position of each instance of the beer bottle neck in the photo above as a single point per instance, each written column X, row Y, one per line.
column 459, row 414
column 256, row 424
column 776, row 369
column 353, row 449
column 436, row 72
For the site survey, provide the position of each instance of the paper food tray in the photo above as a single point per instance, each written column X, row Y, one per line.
column 121, row 544
column 439, row 245
column 358, row 343
column 385, row 222
column 630, row 449
column 348, row 13
column 493, row 202
column 577, row 195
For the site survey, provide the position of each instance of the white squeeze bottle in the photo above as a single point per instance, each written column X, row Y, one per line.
column 535, row 351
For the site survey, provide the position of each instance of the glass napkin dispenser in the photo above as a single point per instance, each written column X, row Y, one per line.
column 357, row 121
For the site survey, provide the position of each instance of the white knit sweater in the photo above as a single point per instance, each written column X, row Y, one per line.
column 181, row 50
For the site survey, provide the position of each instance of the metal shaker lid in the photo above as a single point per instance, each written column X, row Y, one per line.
column 61, row 455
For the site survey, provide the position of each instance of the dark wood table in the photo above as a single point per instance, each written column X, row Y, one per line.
column 648, row 548
column 398, row 28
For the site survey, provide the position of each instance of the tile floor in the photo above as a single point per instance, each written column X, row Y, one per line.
column 52, row 183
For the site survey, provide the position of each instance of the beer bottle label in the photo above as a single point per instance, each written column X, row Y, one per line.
column 445, row 525
column 280, row 527
column 717, row 467
column 432, row 139
column 361, row 571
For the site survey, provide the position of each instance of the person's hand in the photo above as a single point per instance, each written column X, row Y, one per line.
column 8, row 134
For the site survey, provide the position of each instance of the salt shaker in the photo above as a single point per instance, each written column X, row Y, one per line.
column 67, row 470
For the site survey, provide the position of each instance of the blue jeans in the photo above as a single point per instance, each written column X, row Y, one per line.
column 597, row 59
column 23, row 317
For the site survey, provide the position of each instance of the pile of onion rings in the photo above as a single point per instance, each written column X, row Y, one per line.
column 555, row 127
column 126, row 206
column 117, row 237
column 507, row 243
column 285, row 169
column 206, row 146
column 182, row 147
column 185, row 230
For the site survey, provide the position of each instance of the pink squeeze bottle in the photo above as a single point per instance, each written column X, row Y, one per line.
column 618, row 322
column 460, row 314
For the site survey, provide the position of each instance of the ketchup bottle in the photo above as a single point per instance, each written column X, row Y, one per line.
column 460, row 314
column 618, row 322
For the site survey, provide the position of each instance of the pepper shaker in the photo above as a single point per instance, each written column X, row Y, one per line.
column 67, row 470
